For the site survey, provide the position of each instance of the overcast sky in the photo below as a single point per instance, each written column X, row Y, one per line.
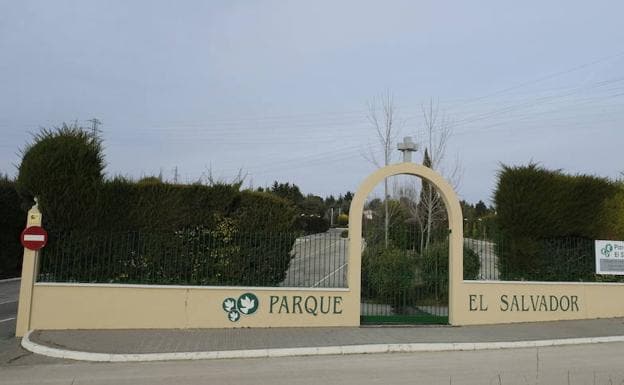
column 280, row 88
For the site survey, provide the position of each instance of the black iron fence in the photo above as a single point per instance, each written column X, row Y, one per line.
column 196, row 257
column 405, row 276
column 564, row 259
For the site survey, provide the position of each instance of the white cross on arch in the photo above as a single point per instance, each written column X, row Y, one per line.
column 407, row 147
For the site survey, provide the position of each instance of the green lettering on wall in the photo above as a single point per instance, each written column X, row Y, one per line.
column 337, row 302
column 274, row 300
column 297, row 304
column 504, row 304
column 284, row 305
column 473, row 302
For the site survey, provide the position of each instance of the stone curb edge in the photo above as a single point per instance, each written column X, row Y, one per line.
column 309, row 351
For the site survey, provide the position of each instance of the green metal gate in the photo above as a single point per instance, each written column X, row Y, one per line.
column 405, row 277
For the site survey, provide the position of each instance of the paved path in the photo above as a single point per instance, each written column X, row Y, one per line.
column 320, row 260
column 159, row 341
column 9, row 292
column 487, row 256
column 567, row 365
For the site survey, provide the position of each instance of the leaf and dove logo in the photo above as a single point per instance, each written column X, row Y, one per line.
column 246, row 304
column 606, row 251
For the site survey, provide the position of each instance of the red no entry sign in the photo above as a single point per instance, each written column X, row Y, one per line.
column 34, row 237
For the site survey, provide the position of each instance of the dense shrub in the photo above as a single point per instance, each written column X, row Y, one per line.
column 390, row 273
column 399, row 277
column 64, row 169
column 534, row 202
column 166, row 234
column 124, row 205
column 12, row 221
column 342, row 220
column 565, row 259
column 150, row 231
column 538, row 208
column 312, row 224
column 435, row 269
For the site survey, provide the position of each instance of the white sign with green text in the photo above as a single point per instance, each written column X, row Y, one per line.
column 610, row 257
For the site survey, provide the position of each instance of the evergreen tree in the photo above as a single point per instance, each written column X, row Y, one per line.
column 287, row 191
column 429, row 206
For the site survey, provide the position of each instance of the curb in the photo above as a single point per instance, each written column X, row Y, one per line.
column 10, row 279
column 311, row 351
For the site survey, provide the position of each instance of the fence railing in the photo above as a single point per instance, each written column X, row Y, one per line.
column 196, row 257
column 564, row 259
column 495, row 256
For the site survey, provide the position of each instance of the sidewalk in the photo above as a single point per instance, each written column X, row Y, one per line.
column 153, row 345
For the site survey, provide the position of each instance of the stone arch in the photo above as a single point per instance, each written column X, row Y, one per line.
column 453, row 210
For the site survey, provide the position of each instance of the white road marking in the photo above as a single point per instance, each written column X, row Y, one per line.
column 330, row 274
column 6, row 320
column 5, row 302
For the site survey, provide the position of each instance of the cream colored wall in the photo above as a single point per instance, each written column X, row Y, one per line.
column 67, row 306
column 73, row 306
column 594, row 300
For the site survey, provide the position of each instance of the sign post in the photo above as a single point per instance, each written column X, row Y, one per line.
column 610, row 257
column 34, row 238
column 31, row 237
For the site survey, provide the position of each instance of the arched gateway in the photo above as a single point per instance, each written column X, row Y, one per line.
column 455, row 221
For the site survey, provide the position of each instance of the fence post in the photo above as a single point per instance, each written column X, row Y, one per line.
column 30, row 265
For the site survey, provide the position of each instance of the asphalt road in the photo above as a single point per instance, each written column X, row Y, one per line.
column 320, row 260
column 9, row 292
column 9, row 345
column 583, row 364
column 487, row 255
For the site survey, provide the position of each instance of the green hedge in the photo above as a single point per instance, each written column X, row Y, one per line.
column 12, row 222
column 83, row 214
column 392, row 272
column 64, row 169
column 558, row 259
column 173, row 234
column 539, row 208
column 435, row 269
column 312, row 224
column 539, row 203
column 399, row 277
column 342, row 220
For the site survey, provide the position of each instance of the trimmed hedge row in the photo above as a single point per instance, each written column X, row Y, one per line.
column 539, row 208
column 124, row 205
column 171, row 223
column 534, row 202
column 12, row 221
column 64, row 169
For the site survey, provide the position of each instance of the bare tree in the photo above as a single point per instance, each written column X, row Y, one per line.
column 382, row 115
column 425, row 203
column 208, row 178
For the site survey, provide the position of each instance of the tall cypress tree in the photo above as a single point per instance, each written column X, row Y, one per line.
column 428, row 205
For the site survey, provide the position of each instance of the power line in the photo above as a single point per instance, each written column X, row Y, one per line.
column 547, row 77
